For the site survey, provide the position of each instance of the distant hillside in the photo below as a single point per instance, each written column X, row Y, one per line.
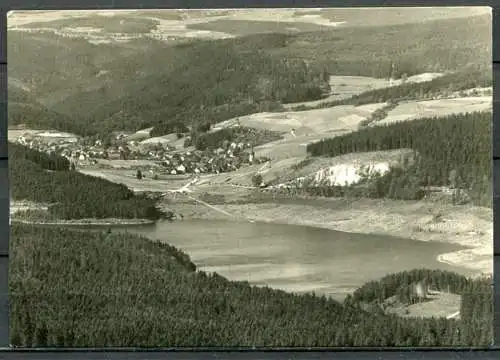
column 127, row 23
column 252, row 27
column 434, row 46
column 54, row 67
column 200, row 83
column 25, row 110
column 150, row 84
column 386, row 16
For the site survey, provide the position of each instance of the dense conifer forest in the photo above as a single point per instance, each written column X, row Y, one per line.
column 75, row 288
column 455, row 151
column 43, row 178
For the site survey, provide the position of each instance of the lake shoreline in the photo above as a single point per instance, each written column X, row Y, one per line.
column 88, row 222
column 466, row 225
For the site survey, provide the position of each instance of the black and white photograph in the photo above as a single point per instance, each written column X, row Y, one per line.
column 251, row 178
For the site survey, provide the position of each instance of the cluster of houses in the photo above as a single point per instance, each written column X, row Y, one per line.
column 163, row 157
column 208, row 161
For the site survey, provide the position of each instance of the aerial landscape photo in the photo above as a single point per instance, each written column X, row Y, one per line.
column 250, row 178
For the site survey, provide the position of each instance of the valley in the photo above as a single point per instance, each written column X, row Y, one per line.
column 231, row 127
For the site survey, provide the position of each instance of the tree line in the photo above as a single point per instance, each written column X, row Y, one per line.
column 93, row 288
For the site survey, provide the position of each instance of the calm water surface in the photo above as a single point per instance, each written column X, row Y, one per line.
column 295, row 258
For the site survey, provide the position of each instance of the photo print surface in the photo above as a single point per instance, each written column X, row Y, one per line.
column 251, row 178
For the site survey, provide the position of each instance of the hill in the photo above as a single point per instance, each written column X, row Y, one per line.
column 201, row 83
column 64, row 65
column 98, row 289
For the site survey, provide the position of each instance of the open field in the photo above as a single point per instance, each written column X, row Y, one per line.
column 347, row 17
column 387, row 16
column 438, row 304
column 44, row 135
column 343, row 87
column 124, row 164
column 412, row 110
column 242, row 27
column 170, row 139
column 167, row 25
column 122, row 23
column 309, row 125
column 128, row 178
column 334, row 119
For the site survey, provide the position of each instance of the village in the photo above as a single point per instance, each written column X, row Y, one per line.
column 129, row 151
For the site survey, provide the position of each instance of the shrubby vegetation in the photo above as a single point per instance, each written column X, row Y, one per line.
column 76, row 288
column 451, row 151
column 47, row 179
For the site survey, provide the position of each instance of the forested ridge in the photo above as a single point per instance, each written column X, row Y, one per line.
column 44, row 178
column 450, row 151
column 76, row 288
